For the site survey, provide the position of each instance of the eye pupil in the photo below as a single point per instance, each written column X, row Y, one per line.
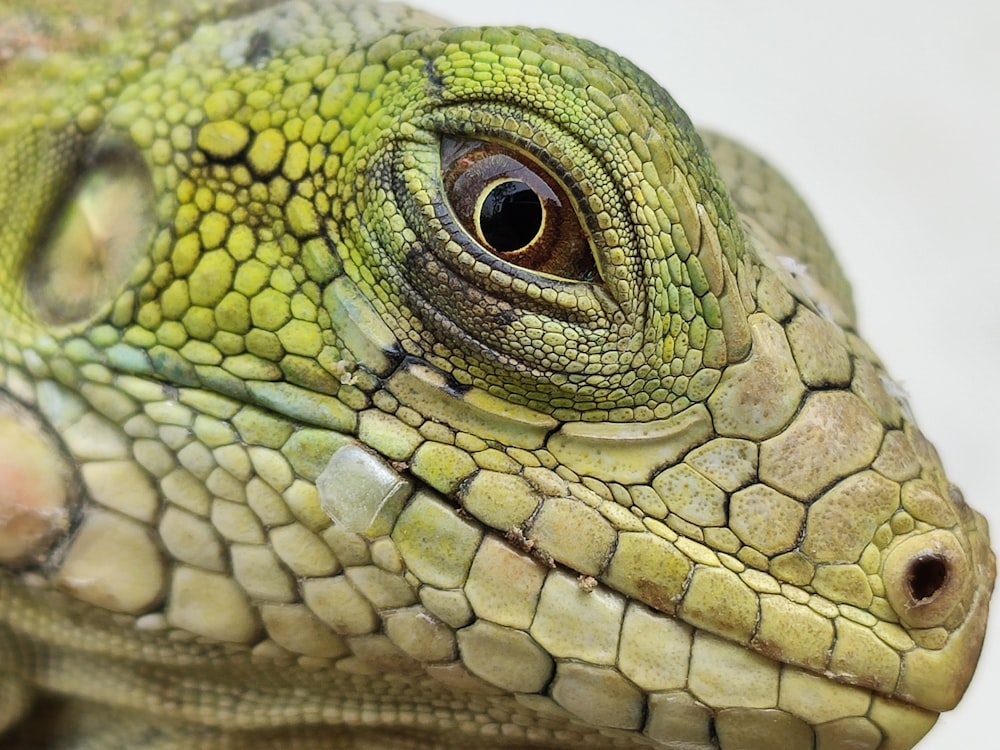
column 927, row 576
column 510, row 216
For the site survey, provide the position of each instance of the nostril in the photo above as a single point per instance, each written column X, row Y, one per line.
column 926, row 577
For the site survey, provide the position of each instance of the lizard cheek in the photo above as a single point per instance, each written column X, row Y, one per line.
column 926, row 578
column 35, row 494
column 95, row 239
column 515, row 209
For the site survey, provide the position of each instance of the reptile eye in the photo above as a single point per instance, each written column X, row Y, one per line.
column 925, row 578
column 515, row 209
column 99, row 231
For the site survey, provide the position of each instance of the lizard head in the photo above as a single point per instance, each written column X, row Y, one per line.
column 369, row 343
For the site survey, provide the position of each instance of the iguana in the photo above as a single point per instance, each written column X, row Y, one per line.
column 371, row 383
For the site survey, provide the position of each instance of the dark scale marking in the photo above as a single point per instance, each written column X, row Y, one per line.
column 259, row 49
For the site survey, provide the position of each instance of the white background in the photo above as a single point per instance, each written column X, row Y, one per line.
column 886, row 116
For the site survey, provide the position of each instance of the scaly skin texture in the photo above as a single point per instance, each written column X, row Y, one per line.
column 297, row 449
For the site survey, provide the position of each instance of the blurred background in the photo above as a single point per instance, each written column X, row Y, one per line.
column 887, row 118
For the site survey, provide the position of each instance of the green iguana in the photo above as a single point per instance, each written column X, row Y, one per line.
column 370, row 383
